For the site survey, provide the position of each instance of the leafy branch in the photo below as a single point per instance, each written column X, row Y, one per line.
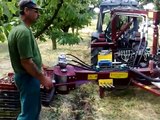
column 49, row 22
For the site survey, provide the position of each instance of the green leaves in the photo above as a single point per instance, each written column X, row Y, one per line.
column 68, row 38
column 2, row 34
column 64, row 38
column 75, row 14
column 7, row 11
column 12, row 8
column 155, row 2
column 1, row 10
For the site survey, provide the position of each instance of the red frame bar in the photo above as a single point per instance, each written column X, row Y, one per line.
column 145, row 12
column 122, row 31
column 102, row 44
column 145, row 87
column 155, row 33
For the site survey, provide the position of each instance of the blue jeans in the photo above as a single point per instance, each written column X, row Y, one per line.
column 29, row 88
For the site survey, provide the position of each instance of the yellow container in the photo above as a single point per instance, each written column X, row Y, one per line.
column 105, row 57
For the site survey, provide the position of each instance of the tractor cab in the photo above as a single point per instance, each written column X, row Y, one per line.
column 105, row 8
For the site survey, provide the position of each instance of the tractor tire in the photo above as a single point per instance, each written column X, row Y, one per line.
column 94, row 53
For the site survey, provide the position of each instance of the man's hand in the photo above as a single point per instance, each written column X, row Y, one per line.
column 47, row 82
column 32, row 69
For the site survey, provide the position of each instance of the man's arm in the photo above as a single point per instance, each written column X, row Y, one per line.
column 32, row 69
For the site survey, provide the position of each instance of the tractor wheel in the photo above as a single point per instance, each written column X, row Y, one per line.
column 94, row 53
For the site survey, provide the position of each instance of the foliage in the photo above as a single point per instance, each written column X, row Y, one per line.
column 68, row 38
column 57, row 15
column 73, row 14
column 155, row 2
column 8, row 10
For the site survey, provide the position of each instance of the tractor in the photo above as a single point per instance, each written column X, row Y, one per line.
column 122, row 33
column 121, row 54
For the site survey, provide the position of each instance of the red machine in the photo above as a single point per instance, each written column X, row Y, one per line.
column 123, row 47
column 120, row 55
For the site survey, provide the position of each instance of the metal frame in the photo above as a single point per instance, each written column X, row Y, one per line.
column 76, row 76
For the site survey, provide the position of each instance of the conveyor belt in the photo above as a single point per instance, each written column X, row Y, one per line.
column 9, row 99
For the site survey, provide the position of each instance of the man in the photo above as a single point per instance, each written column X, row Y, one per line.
column 26, row 62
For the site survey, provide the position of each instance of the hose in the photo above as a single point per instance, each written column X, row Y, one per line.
column 89, row 67
column 143, row 76
column 79, row 60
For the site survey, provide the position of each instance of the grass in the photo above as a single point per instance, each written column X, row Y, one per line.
column 5, row 65
column 84, row 102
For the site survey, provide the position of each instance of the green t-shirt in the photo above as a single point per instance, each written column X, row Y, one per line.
column 22, row 45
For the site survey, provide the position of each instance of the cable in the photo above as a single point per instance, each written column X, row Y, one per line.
column 89, row 67
column 141, row 75
column 137, row 53
column 79, row 60
column 144, row 76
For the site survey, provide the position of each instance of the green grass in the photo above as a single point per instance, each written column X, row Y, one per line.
column 84, row 102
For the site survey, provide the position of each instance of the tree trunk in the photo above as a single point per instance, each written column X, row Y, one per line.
column 77, row 30
column 54, row 44
column 72, row 30
column 66, row 28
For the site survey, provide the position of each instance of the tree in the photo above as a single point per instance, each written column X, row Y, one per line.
column 155, row 2
column 67, row 14
column 57, row 17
